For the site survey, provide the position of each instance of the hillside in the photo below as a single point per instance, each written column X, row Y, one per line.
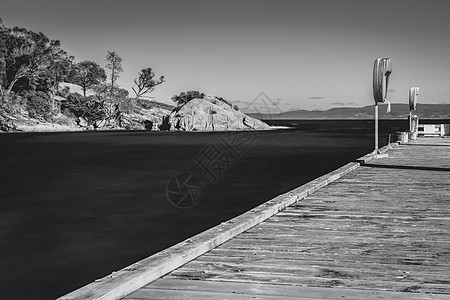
column 138, row 115
column 398, row 111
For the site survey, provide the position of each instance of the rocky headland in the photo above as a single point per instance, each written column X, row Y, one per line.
column 204, row 113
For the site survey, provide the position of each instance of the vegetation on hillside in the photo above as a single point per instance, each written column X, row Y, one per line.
column 32, row 66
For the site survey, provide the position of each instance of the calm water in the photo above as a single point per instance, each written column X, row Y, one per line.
column 77, row 206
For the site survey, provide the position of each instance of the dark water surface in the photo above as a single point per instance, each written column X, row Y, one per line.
column 75, row 207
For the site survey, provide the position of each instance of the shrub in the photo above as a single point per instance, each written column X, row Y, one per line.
column 185, row 97
column 75, row 104
column 38, row 105
column 165, row 125
column 89, row 108
column 95, row 111
column 148, row 125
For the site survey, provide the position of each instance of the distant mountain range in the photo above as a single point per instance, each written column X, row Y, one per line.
column 398, row 111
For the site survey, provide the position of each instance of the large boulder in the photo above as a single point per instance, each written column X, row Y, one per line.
column 71, row 88
column 212, row 114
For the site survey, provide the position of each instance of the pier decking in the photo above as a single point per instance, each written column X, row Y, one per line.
column 380, row 231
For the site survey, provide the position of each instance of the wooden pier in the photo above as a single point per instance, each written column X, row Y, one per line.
column 373, row 229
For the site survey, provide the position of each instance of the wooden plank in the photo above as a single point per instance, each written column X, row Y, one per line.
column 313, row 268
column 261, row 291
column 427, row 257
column 370, row 258
column 159, row 294
column 425, row 260
column 317, row 270
column 411, row 266
column 313, row 281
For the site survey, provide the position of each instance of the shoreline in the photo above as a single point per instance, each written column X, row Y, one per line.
column 52, row 127
column 49, row 128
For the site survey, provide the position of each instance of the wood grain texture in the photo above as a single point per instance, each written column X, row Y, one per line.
column 238, row 290
column 379, row 232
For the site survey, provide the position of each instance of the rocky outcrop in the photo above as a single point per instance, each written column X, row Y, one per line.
column 212, row 114
column 141, row 118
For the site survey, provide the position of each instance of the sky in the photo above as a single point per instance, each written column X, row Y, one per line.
column 314, row 54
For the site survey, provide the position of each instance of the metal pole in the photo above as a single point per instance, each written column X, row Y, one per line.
column 376, row 128
column 410, row 121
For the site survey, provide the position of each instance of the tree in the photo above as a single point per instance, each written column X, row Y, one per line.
column 60, row 67
column 89, row 108
column 145, row 83
column 18, row 49
column 30, row 56
column 101, row 89
column 58, row 70
column 95, row 111
column 87, row 74
column 74, row 105
column 38, row 105
column 185, row 97
column 114, row 64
